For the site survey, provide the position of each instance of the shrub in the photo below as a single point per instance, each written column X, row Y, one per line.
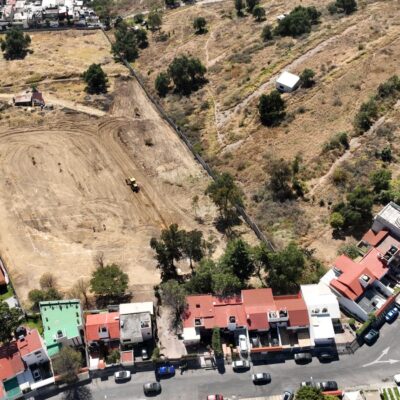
column 96, row 79
column 338, row 141
column 346, row 6
column 162, row 84
column 350, row 250
column 366, row 116
column 15, row 45
column 386, row 154
column 271, row 108
column 266, row 33
column 299, row 21
column 307, row 78
column 337, row 221
column 380, row 180
column 339, row 176
column 251, row 4
column 389, row 88
column 258, row 13
column 332, row 8
column 199, row 25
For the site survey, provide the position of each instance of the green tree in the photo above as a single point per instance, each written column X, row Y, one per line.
column 9, row 321
column 266, row 33
column 366, row 116
column 201, row 281
column 174, row 295
column 307, row 78
column 199, row 25
column 162, row 84
column 380, row 180
column 298, row 22
column 154, row 19
column 15, row 45
column 225, row 283
column 141, row 38
column 113, row 357
column 285, row 268
column 239, row 5
column 238, row 259
column 193, row 246
column 67, row 364
column 168, row 249
column 225, row 194
column 187, row 74
column 96, row 79
column 280, row 175
column 109, row 281
column 271, row 108
column 258, row 13
column 251, row 4
column 350, row 250
column 216, row 342
column 346, row 6
column 125, row 44
column 309, row 393
column 336, row 220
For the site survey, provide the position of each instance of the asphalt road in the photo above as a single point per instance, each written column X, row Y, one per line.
column 369, row 365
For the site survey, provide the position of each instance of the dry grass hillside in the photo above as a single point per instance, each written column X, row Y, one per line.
column 351, row 56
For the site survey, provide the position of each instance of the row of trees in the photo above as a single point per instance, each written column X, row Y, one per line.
column 187, row 74
column 298, row 22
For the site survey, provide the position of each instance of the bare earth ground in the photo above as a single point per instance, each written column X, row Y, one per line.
column 351, row 56
column 64, row 198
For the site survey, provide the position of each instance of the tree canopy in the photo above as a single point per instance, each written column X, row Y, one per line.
column 216, row 343
column 67, row 364
column 15, row 45
column 239, row 5
column 199, row 25
column 271, row 108
column 266, row 33
column 258, row 13
column 298, row 22
column 174, row 295
column 96, row 79
column 9, row 321
column 251, row 4
column 109, row 281
column 162, row 84
column 225, row 194
column 154, row 19
column 307, row 78
column 125, row 44
column 309, row 393
column 280, row 175
column 346, row 6
column 187, row 73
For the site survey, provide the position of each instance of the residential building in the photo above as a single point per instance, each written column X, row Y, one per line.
column 102, row 337
column 136, row 322
column 366, row 285
column 62, row 324
column 270, row 322
column 287, row 82
column 24, row 365
column 323, row 312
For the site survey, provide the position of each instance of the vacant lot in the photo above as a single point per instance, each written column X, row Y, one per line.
column 65, row 199
column 351, row 56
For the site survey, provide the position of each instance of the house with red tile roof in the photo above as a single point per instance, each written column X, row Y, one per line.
column 255, row 312
column 365, row 285
column 24, row 364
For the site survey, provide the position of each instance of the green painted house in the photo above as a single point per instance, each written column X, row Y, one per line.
column 62, row 324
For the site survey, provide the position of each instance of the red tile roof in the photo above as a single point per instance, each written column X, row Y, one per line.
column 94, row 323
column 11, row 363
column 348, row 283
column 250, row 310
column 30, row 343
column 375, row 238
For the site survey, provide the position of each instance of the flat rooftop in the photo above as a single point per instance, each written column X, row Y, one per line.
column 391, row 213
column 64, row 316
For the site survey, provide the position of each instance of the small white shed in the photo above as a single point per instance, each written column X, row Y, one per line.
column 287, row 82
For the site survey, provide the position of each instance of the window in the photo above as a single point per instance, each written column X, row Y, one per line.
column 197, row 305
column 104, row 329
column 38, row 353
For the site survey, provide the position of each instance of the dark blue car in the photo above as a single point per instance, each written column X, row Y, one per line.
column 166, row 370
column 391, row 315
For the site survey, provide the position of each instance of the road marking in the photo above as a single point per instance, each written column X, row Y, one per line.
column 379, row 361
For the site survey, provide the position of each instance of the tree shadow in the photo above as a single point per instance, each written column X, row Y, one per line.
column 224, row 224
column 78, row 393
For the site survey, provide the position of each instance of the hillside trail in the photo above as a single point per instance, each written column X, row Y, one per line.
column 71, row 105
column 223, row 117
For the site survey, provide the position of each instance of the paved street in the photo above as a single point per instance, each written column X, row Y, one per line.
column 370, row 365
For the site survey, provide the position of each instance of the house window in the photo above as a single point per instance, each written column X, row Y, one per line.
column 38, row 353
column 103, row 329
column 197, row 305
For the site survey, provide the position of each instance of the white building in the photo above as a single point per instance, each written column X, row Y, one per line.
column 287, row 82
column 388, row 218
column 323, row 310
column 136, row 322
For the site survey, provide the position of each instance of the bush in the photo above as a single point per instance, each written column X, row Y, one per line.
column 350, row 250
column 125, row 44
column 332, row 8
column 346, row 6
column 337, row 221
column 380, row 180
column 266, row 33
column 389, row 88
column 338, row 141
column 271, row 108
column 307, row 78
column 162, row 84
column 251, row 4
column 366, row 116
column 386, row 154
column 96, row 79
column 15, row 45
column 199, row 25
column 299, row 21
column 258, row 13
column 339, row 176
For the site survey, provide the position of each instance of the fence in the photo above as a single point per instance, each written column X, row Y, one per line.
column 197, row 156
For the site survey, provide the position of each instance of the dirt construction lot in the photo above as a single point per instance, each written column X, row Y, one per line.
column 64, row 197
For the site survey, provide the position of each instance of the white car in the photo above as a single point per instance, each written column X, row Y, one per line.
column 240, row 365
column 243, row 344
column 396, row 378
column 121, row 376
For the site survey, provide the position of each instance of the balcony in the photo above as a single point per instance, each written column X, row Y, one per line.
column 278, row 316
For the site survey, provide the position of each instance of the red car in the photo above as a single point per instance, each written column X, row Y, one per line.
column 215, row 397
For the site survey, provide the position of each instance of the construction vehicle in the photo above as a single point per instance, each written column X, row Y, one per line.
column 132, row 183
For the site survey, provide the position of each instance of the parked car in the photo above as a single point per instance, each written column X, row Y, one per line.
column 166, row 370
column 261, row 377
column 145, row 355
column 307, row 383
column 288, row 395
column 303, row 358
column 244, row 348
column 327, row 386
column 240, row 365
column 215, row 397
column 371, row 337
column 151, row 388
column 391, row 315
column 396, row 378
column 121, row 376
